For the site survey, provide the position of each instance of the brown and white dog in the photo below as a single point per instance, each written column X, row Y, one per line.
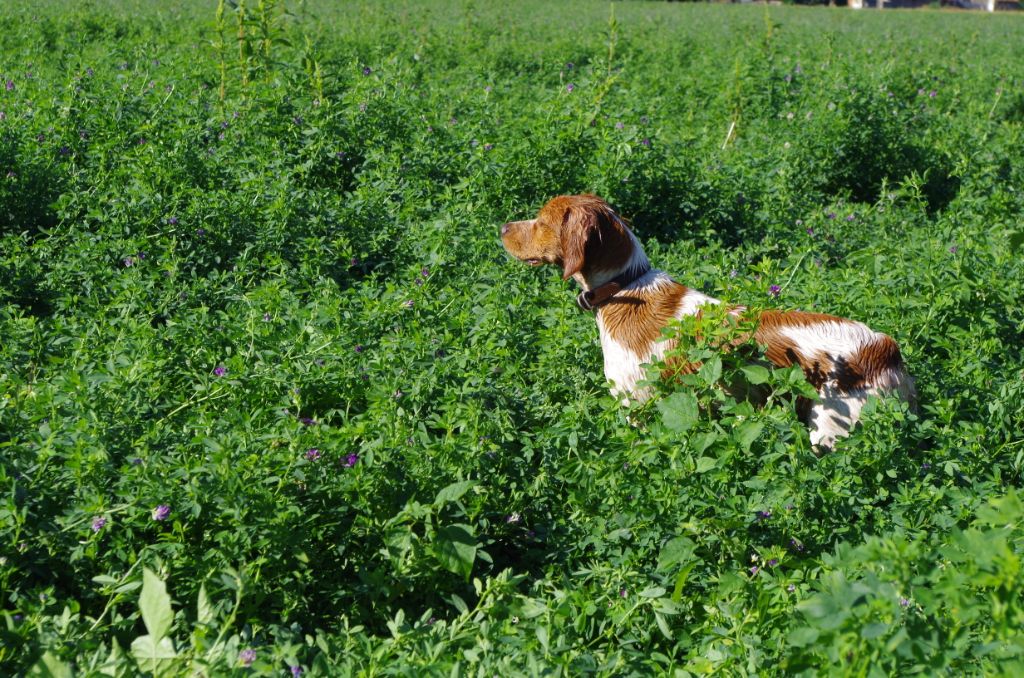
column 844, row 360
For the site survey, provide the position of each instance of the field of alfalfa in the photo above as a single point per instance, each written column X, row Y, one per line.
column 273, row 400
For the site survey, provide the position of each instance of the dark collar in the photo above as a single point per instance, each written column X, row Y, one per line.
column 599, row 296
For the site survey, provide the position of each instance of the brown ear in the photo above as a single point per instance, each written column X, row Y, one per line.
column 579, row 224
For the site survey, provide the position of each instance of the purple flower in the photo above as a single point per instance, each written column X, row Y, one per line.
column 796, row 545
column 791, row 588
column 98, row 522
column 764, row 515
column 10, row 85
column 646, row 142
column 569, row 66
column 200, row 232
column 773, row 562
column 830, row 215
column 351, row 460
column 358, row 348
column 367, row 70
column 488, row 147
column 397, row 395
column 754, row 570
column 570, row 87
column 172, row 221
column 904, row 602
column 220, row 370
column 247, row 656
column 296, row 671
column 487, row 89
column 513, row 518
column 619, row 125
column 128, row 261
column 136, row 461
column 932, row 94
column 312, row 454
column 266, row 317
column 142, row 141
column 622, row 593
column 64, row 150
column 161, row 512
column 408, row 303
column 88, row 71
column 425, row 271
column 953, row 249
column 733, row 273
column 297, row 119
column 775, row 291
column 306, row 421
column 850, row 217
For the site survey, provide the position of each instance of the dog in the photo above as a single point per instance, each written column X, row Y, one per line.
column 844, row 360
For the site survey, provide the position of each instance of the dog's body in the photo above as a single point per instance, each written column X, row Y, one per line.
column 844, row 360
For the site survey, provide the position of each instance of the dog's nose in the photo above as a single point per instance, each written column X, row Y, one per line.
column 505, row 229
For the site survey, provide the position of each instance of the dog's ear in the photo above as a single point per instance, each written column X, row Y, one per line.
column 580, row 223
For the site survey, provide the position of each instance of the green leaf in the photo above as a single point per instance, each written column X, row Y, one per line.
column 756, row 374
column 652, row 592
column 746, row 433
column 153, row 656
column 453, row 492
column 711, row 370
column 802, row 637
column 679, row 411
column 663, row 626
column 705, row 464
column 155, row 605
column 204, row 613
column 50, row 666
column 542, row 636
column 456, row 547
column 676, row 551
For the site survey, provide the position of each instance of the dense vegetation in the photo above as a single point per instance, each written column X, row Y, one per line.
column 274, row 400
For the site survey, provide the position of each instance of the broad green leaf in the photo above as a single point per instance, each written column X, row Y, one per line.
column 155, row 657
column 802, row 637
column 453, row 492
column 456, row 547
column 705, row 464
column 679, row 411
column 676, row 551
column 652, row 592
column 746, row 433
column 756, row 374
column 155, row 605
column 711, row 370
column 50, row 666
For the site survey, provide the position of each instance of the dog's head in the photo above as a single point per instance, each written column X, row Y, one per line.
column 580, row 233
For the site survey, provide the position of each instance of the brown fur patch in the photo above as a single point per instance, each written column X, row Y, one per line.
column 634, row 318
